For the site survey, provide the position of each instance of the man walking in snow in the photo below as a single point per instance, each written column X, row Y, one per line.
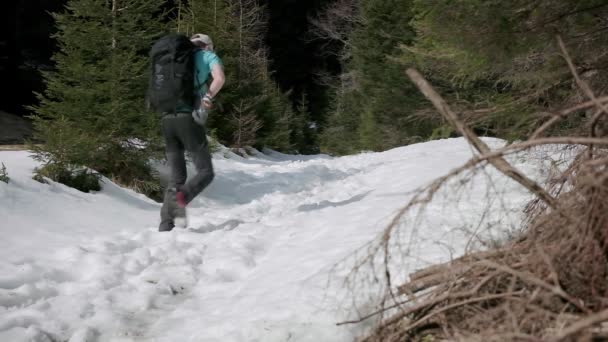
column 184, row 99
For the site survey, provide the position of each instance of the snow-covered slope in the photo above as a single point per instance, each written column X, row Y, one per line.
column 254, row 265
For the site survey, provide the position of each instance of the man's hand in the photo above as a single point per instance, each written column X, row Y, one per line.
column 207, row 101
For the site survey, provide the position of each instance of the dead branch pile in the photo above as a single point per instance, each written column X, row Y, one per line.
column 551, row 284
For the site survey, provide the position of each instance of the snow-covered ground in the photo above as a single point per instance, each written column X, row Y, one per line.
column 264, row 259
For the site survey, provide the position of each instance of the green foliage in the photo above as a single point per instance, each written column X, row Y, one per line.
column 73, row 176
column 4, row 174
column 368, row 131
column 303, row 131
column 496, row 37
column 91, row 112
column 276, row 115
column 496, row 62
column 340, row 135
column 214, row 145
column 428, row 338
column 503, row 55
column 146, row 181
column 376, row 101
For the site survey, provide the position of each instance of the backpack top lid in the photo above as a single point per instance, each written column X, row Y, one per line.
column 172, row 42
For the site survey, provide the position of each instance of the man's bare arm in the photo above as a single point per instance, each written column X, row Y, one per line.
column 217, row 73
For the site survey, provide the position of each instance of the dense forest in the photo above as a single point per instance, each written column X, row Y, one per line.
column 497, row 62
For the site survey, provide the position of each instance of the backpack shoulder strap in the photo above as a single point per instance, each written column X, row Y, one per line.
column 196, row 71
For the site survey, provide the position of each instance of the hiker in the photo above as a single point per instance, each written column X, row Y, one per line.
column 179, row 90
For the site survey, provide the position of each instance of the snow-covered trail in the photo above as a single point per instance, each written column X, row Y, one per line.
column 254, row 266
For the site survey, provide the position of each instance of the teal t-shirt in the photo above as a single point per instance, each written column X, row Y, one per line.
column 203, row 61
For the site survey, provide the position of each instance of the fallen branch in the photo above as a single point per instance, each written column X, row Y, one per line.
column 563, row 114
column 445, row 267
column 582, row 324
column 418, row 322
column 556, row 289
column 498, row 162
column 431, row 280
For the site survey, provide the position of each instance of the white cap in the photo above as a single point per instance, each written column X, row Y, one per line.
column 200, row 38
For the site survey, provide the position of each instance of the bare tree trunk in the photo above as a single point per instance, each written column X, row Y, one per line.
column 179, row 16
column 335, row 24
column 114, row 14
column 240, row 38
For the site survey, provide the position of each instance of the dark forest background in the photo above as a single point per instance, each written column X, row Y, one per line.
column 26, row 48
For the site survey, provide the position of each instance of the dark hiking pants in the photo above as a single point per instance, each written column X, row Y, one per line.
column 181, row 135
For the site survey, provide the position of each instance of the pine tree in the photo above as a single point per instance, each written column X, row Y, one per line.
column 341, row 133
column 377, row 103
column 4, row 174
column 388, row 100
column 303, row 130
column 369, row 135
column 91, row 113
column 277, row 115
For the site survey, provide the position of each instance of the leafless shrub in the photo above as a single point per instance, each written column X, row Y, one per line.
column 246, row 125
column 333, row 26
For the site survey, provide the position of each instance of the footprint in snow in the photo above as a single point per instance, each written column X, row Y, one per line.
column 208, row 228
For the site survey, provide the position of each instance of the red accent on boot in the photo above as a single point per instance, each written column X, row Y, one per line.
column 180, row 198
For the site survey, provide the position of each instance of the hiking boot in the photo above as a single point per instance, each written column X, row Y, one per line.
column 166, row 226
